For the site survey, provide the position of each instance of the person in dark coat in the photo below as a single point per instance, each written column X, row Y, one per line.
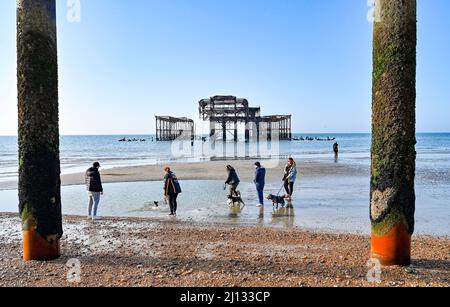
column 260, row 181
column 336, row 148
column 95, row 189
column 171, row 190
column 232, row 180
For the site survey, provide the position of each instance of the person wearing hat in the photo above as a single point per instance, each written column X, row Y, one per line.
column 94, row 188
column 260, row 181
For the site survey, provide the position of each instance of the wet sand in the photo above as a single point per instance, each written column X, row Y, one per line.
column 151, row 252
column 211, row 170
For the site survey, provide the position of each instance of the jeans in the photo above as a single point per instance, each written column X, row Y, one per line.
column 94, row 200
column 173, row 203
column 260, row 190
column 289, row 187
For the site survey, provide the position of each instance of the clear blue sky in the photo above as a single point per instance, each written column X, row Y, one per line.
column 128, row 60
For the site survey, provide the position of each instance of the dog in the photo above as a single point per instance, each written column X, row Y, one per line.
column 235, row 201
column 277, row 200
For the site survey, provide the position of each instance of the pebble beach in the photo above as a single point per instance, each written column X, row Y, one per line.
column 123, row 252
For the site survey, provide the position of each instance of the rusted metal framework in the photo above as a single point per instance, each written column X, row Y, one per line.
column 225, row 113
column 276, row 126
column 173, row 128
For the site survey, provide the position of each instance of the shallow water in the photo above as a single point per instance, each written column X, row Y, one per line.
column 78, row 152
column 337, row 201
column 320, row 203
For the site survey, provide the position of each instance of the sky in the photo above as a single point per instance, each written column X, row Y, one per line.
column 125, row 61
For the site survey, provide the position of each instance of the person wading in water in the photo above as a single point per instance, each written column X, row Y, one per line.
column 336, row 149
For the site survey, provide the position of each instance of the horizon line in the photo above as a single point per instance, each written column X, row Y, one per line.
column 304, row 133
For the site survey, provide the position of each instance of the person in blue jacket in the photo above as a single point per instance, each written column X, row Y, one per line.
column 171, row 190
column 260, row 181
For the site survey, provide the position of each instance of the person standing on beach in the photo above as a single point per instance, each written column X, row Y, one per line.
column 260, row 181
column 171, row 190
column 289, row 178
column 94, row 188
column 232, row 180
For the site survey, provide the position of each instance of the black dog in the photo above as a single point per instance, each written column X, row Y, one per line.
column 233, row 200
column 276, row 200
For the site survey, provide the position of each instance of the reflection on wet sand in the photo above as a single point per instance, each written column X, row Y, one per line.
column 283, row 212
column 284, row 215
column 235, row 210
column 261, row 214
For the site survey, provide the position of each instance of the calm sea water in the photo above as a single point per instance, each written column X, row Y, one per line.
column 78, row 152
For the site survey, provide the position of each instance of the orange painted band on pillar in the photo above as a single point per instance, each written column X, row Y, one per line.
column 35, row 247
column 393, row 248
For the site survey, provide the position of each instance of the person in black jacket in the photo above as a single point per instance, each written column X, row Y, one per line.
column 232, row 180
column 171, row 190
column 336, row 152
column 94, row 188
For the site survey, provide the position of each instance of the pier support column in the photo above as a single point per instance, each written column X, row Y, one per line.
column 38, row 129
column 247, row 132
column 269, row 131
column 212, row 133
column 290, row 129
column 258, row 130
column 224, row 131
column 281, row 129
column 393, row 132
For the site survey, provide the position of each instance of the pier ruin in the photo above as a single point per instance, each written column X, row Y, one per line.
column 170, row 128
column 225, row 113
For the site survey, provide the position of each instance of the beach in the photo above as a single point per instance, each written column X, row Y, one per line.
column 324, row 240
column 273, row 149
column 209, row 170
column 153, row 253
column 328, row 196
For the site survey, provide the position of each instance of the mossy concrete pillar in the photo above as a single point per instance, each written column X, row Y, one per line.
column 392, row 201
column 38, row 130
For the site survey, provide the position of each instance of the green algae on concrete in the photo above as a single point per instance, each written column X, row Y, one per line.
column 38, row 114
column 394, row 119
